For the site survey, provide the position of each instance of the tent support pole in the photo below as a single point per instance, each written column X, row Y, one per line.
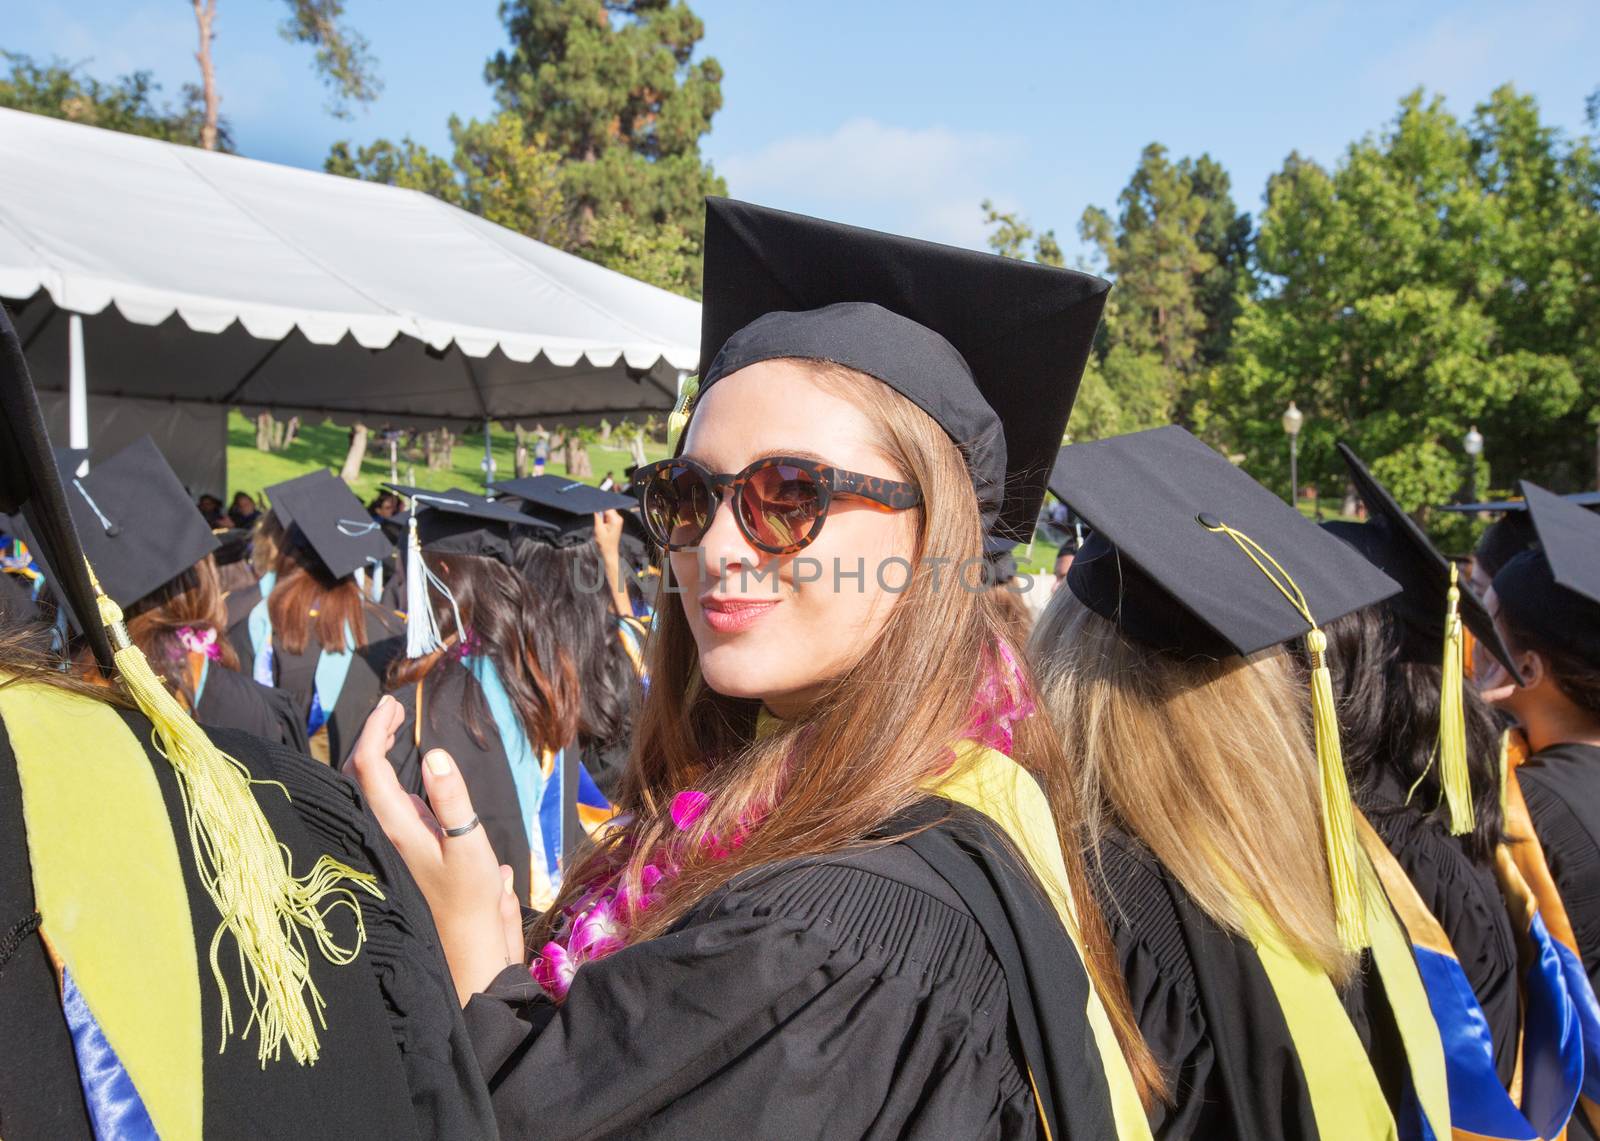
column 488, row 455
column 77, row 386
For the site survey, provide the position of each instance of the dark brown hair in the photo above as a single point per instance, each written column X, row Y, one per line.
column 307, row 597
column 193, row 599
column 498, row 608
column 1576, row 674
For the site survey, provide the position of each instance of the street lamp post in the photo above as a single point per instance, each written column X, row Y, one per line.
column 1293, row 418
column 1472, row 444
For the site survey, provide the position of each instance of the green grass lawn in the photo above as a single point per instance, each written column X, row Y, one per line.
column 324, row 446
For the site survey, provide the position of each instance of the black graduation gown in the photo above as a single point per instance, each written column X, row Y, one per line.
column 1562, row 787
column 240, row 603
column 449, row 692
column 906, row 991
column 1465, row 898
column 230, row 700
column 1209, row 1013
column 395, row 1060
column 363, row 685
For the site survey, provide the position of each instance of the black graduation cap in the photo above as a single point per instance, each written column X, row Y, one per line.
column 281, row 496
column 30, row 485
column 1154, row 567
column 992, row 348
column 1554, row 592
column 327, row 517
column 464, row 523
column 567, row 505
column 1589, row 499
column 233, row 545
column 1393, row 542
column 138, row 527
column 69, row 460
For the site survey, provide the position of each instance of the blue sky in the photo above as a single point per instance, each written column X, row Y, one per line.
column 905, row 115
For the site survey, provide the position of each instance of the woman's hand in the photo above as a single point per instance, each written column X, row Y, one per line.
column 467, row 889
column 608, row 537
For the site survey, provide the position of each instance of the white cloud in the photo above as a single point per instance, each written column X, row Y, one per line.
column 923, row 181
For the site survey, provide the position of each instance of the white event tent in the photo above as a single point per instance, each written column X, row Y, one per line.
column 155, row 286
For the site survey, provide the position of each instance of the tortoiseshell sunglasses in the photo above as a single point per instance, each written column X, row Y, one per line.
column 779, row 502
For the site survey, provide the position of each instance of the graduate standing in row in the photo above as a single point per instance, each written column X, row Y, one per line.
column 848, row 899
column 319, row 630
column 1269, row 977
column 1422, row 749
column 136, row 521
column 201, row 934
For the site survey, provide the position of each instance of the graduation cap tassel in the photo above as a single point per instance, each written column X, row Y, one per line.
column 1338, row 811
column 1505, row 774
column 688, row 390
column 422, row 631
column 377, row 580
column 1452, row 719
column 267, row 909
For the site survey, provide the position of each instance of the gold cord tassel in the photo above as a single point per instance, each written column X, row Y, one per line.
column 1338, row 813
column 688, row 391
column 1452, row 719
column 246, row 871
column 1505, row 774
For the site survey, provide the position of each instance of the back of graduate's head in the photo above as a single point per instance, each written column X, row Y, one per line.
column 1559, row 666
column 184, row 613
column 568, row 585
column 1389, row 710
column 504, row 620
column 307, row 598
column 1206, row 760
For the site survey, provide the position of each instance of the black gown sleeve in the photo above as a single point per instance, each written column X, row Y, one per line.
column 1147, row 931
column 826, row 1000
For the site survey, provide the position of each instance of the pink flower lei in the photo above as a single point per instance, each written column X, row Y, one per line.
column 596, row 924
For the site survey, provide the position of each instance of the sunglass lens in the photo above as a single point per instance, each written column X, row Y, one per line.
column 780, row 506
column 677, row 504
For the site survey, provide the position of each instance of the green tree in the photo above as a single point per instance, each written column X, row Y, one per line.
column 614, row 87
column 1153, row 249
column 1442, row 275
column 129, row 103
column 1224, row 234
column 1012, row 238
column 497, row 171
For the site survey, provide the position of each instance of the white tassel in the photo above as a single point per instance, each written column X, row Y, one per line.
column 422, row 632
column 377, row 580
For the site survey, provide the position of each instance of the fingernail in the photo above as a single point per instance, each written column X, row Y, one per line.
column 438, row 762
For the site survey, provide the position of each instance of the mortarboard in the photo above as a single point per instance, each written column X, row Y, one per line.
column 324, row 515
column 450, row 522
column 281, row 495
column 569, row 506
column 233, row 545
column 1191, row 556
column 1392, row 541
column 1589, row 499
column 138, row 527
column 1553, row 593
column 992, row 348
column 1153, row 568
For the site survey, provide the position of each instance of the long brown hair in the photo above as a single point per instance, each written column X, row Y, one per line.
column 1208, row 763
column 193, row 599
column 26, row 657
column 831, row 779
column 307, row 597
column 503, row 621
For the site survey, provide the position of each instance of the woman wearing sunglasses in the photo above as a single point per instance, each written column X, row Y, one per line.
column 840, row 904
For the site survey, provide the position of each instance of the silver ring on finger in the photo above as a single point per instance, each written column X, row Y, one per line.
column 464, row 829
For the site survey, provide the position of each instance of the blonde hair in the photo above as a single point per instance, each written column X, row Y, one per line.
column 1208, row 763
column 827, row 781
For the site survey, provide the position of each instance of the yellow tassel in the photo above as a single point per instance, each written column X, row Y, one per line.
column 265, row 907
column 1505, row 775
column 1452, row 720
column 679, row 420
column 1338, row 813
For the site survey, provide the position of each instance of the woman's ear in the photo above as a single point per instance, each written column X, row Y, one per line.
column 1535, row 672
